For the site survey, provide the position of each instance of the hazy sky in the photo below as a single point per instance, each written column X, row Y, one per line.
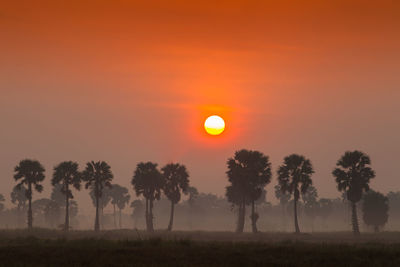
column 125, row 82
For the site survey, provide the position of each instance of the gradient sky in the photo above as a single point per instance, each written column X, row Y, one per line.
column 127, row 81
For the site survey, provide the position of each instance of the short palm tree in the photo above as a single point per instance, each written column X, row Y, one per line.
column 119, row 198
column 353, row 174
column 176, row 180
column 294, row 177
column 66, row 175
column 29, row 174
column 148, row 181
column 97, row 176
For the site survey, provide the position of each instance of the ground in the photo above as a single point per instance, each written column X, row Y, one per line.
column 41, row 247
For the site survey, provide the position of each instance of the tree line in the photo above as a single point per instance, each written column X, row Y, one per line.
column 248, row 173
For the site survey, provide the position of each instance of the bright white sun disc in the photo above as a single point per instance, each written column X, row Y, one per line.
column 214, row 125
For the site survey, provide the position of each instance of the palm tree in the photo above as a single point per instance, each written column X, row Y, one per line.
column 119, row 197
column 148, row 181
column 248, row 172
column 65, row 176
column 375, row 207
column 29, row 173
column 294, row 177
column 353, row 174
column 175, row 181
column 97, row 176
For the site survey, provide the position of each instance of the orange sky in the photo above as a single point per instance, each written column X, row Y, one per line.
column 125, row 82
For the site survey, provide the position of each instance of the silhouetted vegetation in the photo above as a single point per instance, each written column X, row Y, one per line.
column 295, row 172
column 175, row 181
column 67, row 175
column 29, row 174
column 97, row 175
column 353, row 175
column 148, row 181
column 375, row 209
column 248, row 173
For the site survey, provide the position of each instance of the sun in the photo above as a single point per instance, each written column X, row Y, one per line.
column 214, row 125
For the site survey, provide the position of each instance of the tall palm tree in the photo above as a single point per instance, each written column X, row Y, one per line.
column 148, row 181
column 119, row 197
column 29, row 174
column 294, row 177
column 248, row 172
column 67, row 175
column 176, row 180
column 97, row 176
column 353, row 174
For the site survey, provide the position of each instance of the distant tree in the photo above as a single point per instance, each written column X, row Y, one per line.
column 104, row 200
column 52, row 213
column 119, row 197
column 193, row 194
column 138, row 211
column 29, row 174
column 175, row 181
column 18, row 197
column 97, row 176
column 375, row 209
column 248, row 173
column 294, row 177
column 325, row 208
column 353, row 174
column 148, row 181
column 2, row 199
column 283, row 202
column 394, row 205
column 311, row 205
column 66, row 175
column 262, row 199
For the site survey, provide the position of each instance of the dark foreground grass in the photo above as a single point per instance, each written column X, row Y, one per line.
column 158, row 251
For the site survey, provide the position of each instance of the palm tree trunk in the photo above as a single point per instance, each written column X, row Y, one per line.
column 66, row 225
column 120, row 219
column 296, row 223
column 354, row 218
column 30, row 218
column 96, row 223
column 241, row 214
column 151, row 227
column 171, row 217
column 147, row 214
column 253, row 218
column 115, row 218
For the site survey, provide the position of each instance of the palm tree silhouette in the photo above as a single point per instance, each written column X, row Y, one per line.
column 137, row 212
column 248, row 172
column 148, row 181
column 97, row 175
column 295, row 172
column 175, row 181
column 29, row 173
column 353, row 175
column 119, row 197
column 66, row 175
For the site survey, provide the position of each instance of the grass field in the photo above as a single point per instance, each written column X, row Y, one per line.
column 42, row 247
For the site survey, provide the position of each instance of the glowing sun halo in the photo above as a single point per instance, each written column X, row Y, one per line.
column 214, row 125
